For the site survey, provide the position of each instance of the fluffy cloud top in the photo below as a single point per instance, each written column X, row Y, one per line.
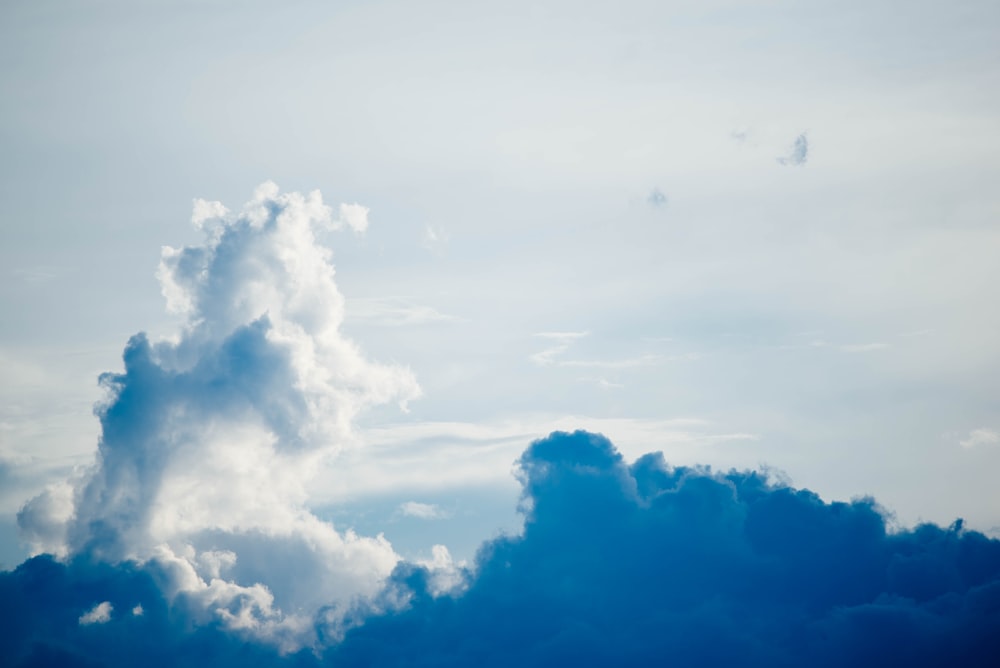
column 619, row 564
column 625, row 564
column 207, row 440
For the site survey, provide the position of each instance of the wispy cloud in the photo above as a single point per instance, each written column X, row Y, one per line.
column 394, row 312
column 841, row 347
column 434, row 238
column 862, row 347
column 981, row 437
column 797, row 154
column 423, row 511
column 562, row 341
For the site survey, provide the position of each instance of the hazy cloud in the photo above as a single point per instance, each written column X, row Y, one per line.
column 797, row 154
column 394, row 312
column 424, row 511
column 978, row 437
column 434, row 238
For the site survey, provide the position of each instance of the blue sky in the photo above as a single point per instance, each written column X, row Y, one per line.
column 750, row 235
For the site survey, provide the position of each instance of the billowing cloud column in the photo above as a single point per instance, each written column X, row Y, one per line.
column 207, row 439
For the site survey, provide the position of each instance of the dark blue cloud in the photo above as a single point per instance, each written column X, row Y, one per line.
column 645, row 564
column 619, row 564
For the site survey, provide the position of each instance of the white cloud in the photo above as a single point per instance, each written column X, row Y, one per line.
column 355, row 216
column 394, row 312
column 424, row 511
column 862, row 347
column 99, row 614
column 562, row 341
column 434, row 238
column 209, row 439
column 979, row 437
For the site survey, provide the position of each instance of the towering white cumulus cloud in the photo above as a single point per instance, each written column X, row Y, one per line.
column 208, row 439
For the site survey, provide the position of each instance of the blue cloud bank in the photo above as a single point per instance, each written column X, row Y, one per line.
column 618, row 564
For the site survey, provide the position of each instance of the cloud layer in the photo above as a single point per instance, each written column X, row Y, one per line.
column 618, row 564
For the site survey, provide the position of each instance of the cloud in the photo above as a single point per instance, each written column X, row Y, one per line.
column 656, row 198
column 99, row 614
column 562, row 341
column 979, row 437
column 618, row 563
column 355, row 216
column 862, row 347
column 424, row 511
column 842, row 347
column 434, row 238
column 394, row 312
column 797, row 154
column 740, row 135
column 209, row 439
column 624, row 564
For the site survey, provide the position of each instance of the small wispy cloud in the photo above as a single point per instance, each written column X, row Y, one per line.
column 642, row 360
column 862, row 347
column 434, row 238
column 797, row 154
column 563, row 340
column 99, row 614
column 740, row 135
column 980, row 437
column 394, row 312
column 602, row 383
column 423, row 511
column 561, row 343
column 842, row 347
column 38, row 274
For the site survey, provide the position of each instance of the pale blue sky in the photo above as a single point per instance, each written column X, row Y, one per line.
column 835, row 319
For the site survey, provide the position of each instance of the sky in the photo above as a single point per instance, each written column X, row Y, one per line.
column 305, row 283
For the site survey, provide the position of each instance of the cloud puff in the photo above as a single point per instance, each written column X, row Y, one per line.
column 424, row 511
column 355, row 216
column 798, row 154
column 100, row 614
column 208, row 439
column 978, row 437
column 618, row 564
